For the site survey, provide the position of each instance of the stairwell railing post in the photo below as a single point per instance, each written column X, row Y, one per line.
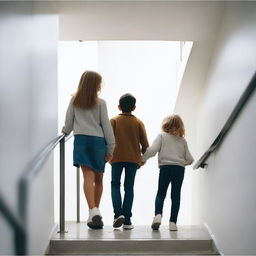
column 62, row 185
column 77, row 194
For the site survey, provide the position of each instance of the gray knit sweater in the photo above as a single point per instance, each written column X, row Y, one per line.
column 94, row 122
column 172, row 150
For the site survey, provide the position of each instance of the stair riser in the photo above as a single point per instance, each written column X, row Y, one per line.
column 132, row 247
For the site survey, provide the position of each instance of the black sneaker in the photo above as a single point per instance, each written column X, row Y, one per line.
column 118, row 222
column 95, row 219
column 92, row 226
column 96, row 222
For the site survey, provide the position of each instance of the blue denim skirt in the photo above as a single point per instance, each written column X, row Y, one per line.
column 89, row 151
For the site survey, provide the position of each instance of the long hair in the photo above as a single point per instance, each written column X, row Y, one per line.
column 86, row 96
column 174, row 125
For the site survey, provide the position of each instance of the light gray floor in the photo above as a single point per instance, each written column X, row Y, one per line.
column 80, row 231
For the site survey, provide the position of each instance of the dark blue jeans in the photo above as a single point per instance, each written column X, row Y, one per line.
column 124, row 208
column 173, row 174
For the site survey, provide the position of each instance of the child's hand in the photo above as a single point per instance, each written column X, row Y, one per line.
column 142, row 163
column 108, row 157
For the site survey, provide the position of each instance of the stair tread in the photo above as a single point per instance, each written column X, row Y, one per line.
column 142, row 240
column 79, row 231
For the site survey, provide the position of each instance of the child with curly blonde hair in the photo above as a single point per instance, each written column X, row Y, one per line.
column 173, row 156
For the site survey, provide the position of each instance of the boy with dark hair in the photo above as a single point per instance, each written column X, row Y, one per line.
column 131, row 141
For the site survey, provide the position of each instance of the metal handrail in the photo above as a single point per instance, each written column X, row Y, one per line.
column 19, row 223
column 68, row 137
column 16, row 224
column 31, row 171
column 77, row 193
column 227, row 126
column 27, row 176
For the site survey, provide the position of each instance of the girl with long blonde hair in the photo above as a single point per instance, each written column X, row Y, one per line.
column 173, row 156
column 94, row 141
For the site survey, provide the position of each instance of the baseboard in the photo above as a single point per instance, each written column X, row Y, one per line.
column 215, row 243
column 53, row 231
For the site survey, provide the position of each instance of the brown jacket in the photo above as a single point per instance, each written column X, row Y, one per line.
column 131, row 138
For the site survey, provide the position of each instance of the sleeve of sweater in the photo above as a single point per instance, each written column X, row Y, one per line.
column 188, row 157
column 143, row 138
column 69, row 121
column 107, row 128
column 153, row 149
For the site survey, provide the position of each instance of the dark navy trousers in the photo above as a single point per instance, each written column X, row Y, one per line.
column 125, row 207
column 173, row 174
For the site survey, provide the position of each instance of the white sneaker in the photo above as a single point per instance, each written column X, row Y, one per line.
column 156, row 222
column 172, row 226
column 128, row 227
column 95, row 219
column 118, row 222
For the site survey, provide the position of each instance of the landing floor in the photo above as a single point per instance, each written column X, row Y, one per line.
column 77, row 231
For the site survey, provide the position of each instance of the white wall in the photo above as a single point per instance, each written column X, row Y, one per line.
column 224, row 193
column 28, row 105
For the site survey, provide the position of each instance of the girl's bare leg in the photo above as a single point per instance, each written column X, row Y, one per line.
column 98, row 188
column 89, row 189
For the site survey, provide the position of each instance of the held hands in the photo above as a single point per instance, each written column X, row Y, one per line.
column 142, row 163
column 108, row 157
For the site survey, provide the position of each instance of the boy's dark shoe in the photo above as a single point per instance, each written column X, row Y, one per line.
column 119, row 221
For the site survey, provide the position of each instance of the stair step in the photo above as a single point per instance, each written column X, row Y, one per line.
column 188, row 240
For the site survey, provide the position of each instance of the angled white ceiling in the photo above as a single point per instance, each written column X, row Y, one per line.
column 139, row 20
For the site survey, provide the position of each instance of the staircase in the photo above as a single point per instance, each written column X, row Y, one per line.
column 188, row 240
